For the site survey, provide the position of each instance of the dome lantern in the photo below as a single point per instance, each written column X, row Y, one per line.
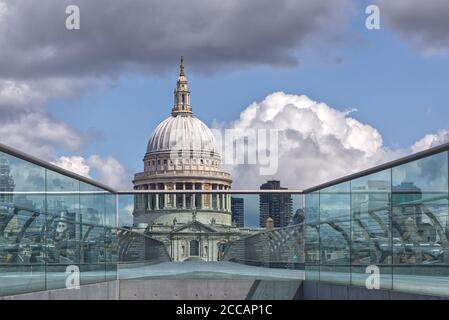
column 182, row 94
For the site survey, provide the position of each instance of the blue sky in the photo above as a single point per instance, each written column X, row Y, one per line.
column 93, row 96
column 88, row 99
column 394, row 88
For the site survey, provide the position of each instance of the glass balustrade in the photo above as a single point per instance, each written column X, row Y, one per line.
column 393, row 220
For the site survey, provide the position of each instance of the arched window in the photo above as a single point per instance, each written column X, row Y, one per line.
column 194, row 248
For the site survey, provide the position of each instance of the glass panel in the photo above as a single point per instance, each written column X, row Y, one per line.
column 420, row 226
column 63, row 233
column 110, row 210
column 92, row 204
column 22, row 246
column 335, row 206
column 125, row 212
column 93, row 254
column 370, row 227
column 312, row 239
column 111, row 251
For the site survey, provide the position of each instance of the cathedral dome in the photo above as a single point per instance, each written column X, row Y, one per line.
column 182, row 154
column 182, row 132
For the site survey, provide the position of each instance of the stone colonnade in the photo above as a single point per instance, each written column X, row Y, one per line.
column 183, row 201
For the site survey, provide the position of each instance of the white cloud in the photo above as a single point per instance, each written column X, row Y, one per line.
column 19, row 95
column 431, row 140
column 13, row 93
column 108, row 171
column 74, row 164
column 24, row 123
column 39, row 134
column 317, row 143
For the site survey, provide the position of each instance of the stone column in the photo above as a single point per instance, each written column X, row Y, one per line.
column 183, row 196
column 157, row 197
column 165, row 197
column 223, row 197
column 201, row 198
column 175, row 204
column 218, row 199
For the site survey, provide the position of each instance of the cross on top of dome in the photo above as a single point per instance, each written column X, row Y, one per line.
column 182, row 94
column 181, row 67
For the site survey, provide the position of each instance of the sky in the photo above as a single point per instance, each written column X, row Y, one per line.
column 343, row 97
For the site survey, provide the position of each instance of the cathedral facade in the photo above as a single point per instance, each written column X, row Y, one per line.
column 182, row 155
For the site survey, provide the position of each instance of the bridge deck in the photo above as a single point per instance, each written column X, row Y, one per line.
column 209, row 270
column 14, row 282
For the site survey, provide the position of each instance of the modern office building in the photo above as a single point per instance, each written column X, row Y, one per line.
column 238, row 211
column 278, row 207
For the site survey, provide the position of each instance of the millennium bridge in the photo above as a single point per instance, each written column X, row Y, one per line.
column 378, row 234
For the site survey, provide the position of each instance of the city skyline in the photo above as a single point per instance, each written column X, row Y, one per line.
column 253, row 151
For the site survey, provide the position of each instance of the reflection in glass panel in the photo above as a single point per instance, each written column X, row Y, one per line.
column 21, row 176
column 22, row 252
column 125, row 211
column 93, row 253
column 370, row 227
column 92, row 204
column 63, row 233
column 110, row 210
column 111, row 253
column 420, row 222
column 421, row 179
column 312, row 239
column 26, row 176
column 335, row 205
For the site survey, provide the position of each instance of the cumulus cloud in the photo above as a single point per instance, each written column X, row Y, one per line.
column 431, row 140
column 108, row 171
column 317, row 143
column 74, row 164
column 424, row 24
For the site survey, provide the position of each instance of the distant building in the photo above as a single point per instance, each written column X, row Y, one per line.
column 238, row 211
column 277, row 206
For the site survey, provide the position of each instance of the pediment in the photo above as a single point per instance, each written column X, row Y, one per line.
column 194, row 226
